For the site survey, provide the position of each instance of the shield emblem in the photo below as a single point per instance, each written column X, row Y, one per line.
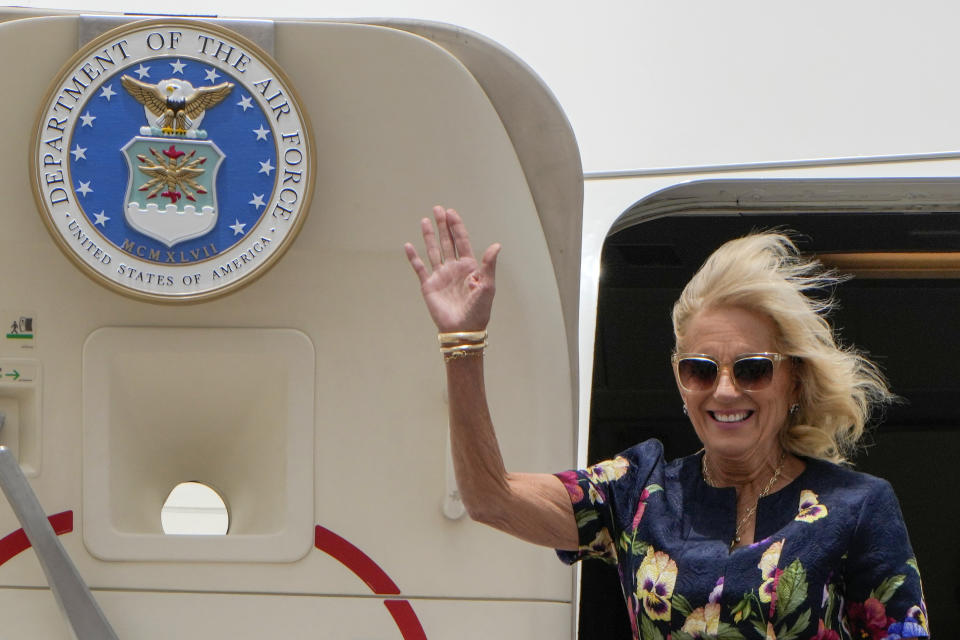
column 171, row 191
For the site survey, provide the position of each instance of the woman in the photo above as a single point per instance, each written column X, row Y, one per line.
column 761, row 534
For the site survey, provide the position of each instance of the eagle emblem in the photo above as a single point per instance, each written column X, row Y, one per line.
column 174, row 106
column 173, row 174
column 174, row 109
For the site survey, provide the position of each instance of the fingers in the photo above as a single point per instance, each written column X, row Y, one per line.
column 449, row 241
column 458, row 231
column 418, row 267
column 448, row 249
column 430, row 242
column 488, row 264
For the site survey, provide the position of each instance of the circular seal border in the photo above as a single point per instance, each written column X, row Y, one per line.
column 59, row 228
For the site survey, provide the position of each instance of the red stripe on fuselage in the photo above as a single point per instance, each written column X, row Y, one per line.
column 376, row 578
column 406, row 619
column 17, row 542
column 357, row 561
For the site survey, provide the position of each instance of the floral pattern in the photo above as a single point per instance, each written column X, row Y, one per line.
column 602, row 544
column 869, row 619
column 820, row 569
column 825, row 634
column 655, row 581
column 769, row 569
column 810, row 508
column 608, row 470
column 703, row 622
column 909, row 628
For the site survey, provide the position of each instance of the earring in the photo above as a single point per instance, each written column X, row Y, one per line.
column 794, row 409
column 685, row 410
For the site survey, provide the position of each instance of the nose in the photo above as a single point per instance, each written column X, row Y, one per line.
column 725, row 387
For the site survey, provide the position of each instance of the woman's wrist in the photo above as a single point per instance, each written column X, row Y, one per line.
column 462, row 344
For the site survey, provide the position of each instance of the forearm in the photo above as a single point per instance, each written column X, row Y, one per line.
column 531, row 506
column 481, row 475
column 459, row 294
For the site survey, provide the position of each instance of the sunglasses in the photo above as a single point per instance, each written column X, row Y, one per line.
column 750, row 371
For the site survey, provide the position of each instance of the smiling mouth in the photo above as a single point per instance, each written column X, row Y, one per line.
column 730, row 416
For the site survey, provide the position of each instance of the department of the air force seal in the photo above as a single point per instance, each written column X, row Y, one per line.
column 172, row 160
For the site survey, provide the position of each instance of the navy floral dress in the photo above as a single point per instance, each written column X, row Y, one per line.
column 832, row 559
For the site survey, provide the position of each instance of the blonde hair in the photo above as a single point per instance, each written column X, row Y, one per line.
column 839, row 387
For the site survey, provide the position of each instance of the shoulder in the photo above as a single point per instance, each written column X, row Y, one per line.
column 644, row 463
column 646, row 452
column 834, row 476
column 626, row 469
column 868, row 499
column 646, row 460
column 644, row 455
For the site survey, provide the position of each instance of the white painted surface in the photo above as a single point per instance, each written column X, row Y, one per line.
column 645, row 84
column 192, row 616
column 230, row 407
column 648, row 83
column 400, row 125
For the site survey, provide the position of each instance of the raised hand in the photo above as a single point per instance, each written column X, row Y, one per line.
column 457, row 290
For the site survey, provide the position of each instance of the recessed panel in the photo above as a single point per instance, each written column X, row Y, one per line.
column 229, row 408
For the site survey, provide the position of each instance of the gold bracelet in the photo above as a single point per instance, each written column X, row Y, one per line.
column 461, row 337
column 456, row 355
column 463, row 347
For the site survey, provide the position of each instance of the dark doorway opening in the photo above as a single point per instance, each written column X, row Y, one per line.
column 909, row 326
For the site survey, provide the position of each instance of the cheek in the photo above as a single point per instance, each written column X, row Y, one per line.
column 791, row 383
column 693, row 404
column 684, row 398
column 777, row 407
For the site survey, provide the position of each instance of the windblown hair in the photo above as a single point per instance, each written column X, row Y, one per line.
column 839, row 387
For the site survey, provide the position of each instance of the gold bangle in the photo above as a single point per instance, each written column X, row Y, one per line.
column 463, row 348
column 456, row 355
column 461, row 337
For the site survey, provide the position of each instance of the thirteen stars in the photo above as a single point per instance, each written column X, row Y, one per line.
column 178, row 67
column 266, row 167
column 142, row 71
column 245, row 103
column 212, row 75
column 101, row 219
column 257, row 201
column 238, row 227
column 84, row 188
column 88, row 119
column 261, row 133
column 107, row 92
column 79, row 152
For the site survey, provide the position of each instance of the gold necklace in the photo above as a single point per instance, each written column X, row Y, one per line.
column 751, row 510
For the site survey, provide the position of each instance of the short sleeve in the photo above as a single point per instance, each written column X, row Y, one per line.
column 882, row 584
column 605, row 498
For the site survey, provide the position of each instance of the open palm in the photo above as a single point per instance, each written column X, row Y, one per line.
column 457, row 289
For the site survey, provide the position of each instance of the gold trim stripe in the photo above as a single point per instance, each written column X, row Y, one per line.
column 896, row 265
